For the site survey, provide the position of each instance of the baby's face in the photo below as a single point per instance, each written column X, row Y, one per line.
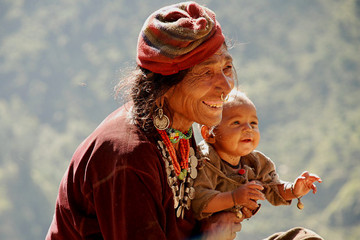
column 238, row 133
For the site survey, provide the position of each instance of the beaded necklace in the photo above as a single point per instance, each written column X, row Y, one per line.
column 180, row 177
column 182, row 167
column 176, row 135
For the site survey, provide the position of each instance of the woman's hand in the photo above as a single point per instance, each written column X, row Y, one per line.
column 221, row 226
column 247, row 196
column 304, row 183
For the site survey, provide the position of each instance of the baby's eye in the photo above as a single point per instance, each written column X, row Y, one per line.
column 236, row 123
column 254, row 124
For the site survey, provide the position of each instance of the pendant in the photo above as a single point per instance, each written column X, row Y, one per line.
column 239, row 214
column 176, row 202
column 179, row 211
column 182, row 190
column 300, row 205
column 193, row 173
column 191, row 193
column 187, row 203
column 175, row 196
column 191, row 152
column 193, row 161
column 161, row 121
column 170, row 181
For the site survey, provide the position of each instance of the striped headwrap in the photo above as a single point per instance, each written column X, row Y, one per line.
column 178, row 37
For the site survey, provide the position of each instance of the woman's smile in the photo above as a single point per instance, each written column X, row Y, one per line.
column 214, row 104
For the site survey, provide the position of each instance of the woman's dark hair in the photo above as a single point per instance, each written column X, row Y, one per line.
column 144, row 88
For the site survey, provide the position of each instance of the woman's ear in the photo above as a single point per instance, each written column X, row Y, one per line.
column 169, row 92
column 207, row 134
column 159, row 102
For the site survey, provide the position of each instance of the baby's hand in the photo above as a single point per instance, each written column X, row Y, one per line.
column 248, row 194
column 304, row 183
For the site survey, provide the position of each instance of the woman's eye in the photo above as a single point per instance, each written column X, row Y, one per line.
column 205, row 73
column 228, row 69
column 208, row 72
column 201, row 72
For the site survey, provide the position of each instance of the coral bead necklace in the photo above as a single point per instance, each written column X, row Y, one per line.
column 181, row 166
column 180, row 173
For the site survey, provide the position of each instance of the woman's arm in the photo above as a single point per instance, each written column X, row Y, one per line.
column 133, row 200
column 128, row 209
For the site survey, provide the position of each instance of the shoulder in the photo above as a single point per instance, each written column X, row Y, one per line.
column 257, row 158
column 116, row 144
column 207, row 152
column 259, row 155
column 118, row 133
column 203, row 148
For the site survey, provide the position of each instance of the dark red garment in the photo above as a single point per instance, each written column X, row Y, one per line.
column 116, row 188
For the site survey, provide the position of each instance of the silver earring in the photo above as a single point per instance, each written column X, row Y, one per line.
column 160, row 120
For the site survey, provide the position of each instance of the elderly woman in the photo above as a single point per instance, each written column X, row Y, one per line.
column 132, row 177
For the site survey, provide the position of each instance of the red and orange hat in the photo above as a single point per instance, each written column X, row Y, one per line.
column 178, row 37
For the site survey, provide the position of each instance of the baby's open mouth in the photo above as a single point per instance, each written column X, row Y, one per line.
column 246, row 140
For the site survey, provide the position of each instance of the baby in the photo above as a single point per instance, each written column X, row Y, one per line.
column 234, row 175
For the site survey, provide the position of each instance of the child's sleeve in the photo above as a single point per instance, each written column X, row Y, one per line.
column 268, row 176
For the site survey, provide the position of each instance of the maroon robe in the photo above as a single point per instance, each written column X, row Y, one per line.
column 116, row 188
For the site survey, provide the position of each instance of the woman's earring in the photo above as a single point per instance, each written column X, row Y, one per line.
column 160, row 120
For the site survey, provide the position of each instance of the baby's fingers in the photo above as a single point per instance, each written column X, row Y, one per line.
column 314, row 188
column 314, row 178
column 255, row 185
column 310, row 176
column 256, row 195
column 251, row 205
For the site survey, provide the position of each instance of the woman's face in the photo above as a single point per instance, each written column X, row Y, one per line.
column 197, row 98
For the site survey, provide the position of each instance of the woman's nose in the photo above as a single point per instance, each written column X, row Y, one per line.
column 225, row 83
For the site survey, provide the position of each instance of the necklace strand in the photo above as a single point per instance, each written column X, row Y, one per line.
column 184, row 152
column 176, row 135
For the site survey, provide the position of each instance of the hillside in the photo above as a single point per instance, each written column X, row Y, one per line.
column 298, row 61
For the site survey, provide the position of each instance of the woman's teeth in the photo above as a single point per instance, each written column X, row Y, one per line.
column 214, row 104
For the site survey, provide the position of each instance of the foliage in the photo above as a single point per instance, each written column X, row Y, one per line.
column 297, row 60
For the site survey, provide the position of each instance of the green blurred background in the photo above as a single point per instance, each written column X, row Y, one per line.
column 299, row 61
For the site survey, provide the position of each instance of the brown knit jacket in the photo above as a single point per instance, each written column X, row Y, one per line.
column 215, row 176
